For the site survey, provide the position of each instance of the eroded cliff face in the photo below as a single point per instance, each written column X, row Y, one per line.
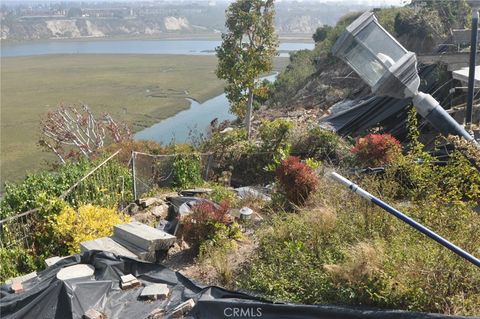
column 33, row 29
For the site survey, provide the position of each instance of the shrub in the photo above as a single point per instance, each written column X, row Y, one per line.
column 15, row 261
column 88, row 223
column 376, row 149
column 274, row 136
column 208, row 222
column 187, row 171
column 297, row 179
column 223, row 194
column 321, row 144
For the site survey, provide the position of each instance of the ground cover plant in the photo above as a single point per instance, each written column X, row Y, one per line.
column 339, row 249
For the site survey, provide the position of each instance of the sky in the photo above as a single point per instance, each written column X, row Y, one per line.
column 371, row 2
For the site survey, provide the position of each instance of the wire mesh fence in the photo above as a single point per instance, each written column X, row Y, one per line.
column 157, row 171
column 16, row 231
column 109, row 184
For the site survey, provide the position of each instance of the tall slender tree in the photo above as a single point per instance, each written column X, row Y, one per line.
column 247, row 51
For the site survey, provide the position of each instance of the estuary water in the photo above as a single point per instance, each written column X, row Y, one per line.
column 188, row 47
column 195, row 120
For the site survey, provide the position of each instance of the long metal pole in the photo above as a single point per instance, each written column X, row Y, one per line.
column 134, row 182
column 439, row 239
column 471, row 71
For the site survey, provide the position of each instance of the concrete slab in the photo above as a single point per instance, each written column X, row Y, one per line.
column 462, row 75
column 155, row 291
column 195, row 192
column 53, row 260
column 106, row 244
column 139, row 252
column 76, row 271
column 143, row 236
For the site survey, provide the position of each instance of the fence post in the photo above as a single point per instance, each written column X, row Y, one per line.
column 134, row 182
column 207, row 170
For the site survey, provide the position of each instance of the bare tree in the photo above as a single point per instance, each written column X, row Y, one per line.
column 72, row 132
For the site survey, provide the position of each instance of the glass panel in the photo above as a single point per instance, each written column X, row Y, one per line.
column 381, row 44
column 364, row 63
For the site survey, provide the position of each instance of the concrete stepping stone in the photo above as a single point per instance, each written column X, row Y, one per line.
column 76, row 271
column 143, row 236
column 106, row 244
column 155, row 291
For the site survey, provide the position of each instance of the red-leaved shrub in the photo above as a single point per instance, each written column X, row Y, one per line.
column 200, row 225
column 376, row 149
column 297, row 179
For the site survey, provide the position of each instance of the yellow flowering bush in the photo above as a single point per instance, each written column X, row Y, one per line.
column 89, row 222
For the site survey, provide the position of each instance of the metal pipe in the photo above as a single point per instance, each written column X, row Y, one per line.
column 471, row 71
column 424, row 230
column 433, row 112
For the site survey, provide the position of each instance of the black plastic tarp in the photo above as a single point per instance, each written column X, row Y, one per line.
column 48, row 297
column 355, row 117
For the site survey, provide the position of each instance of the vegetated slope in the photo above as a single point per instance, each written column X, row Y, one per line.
column 316, row 79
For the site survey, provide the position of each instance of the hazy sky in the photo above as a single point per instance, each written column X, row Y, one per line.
column 372, row 2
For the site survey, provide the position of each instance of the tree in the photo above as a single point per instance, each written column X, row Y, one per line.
column 321, row 33
column 247, row 51
column 69, row 132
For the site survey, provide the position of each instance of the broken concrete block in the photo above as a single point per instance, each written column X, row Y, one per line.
column 147, row 202
column 129, row 281
column 21, row 278
column 17, row 287
column 144, row 236
column 160, row 211
column 183, row 308
column 106, row 244
column 155, row 291
column 93, row 314
column 157, row 313
column 76, row 271
column 53, row 260
column 132, row 208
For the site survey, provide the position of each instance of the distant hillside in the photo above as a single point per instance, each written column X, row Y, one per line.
column 316, row 79
column 26, row 23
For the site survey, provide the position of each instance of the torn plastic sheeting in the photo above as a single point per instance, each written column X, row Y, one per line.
column 48, row 297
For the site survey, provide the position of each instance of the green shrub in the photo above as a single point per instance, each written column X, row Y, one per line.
column 223, row 194
column 187, row 171
column 275, row 141
column 14, row 262
column 321, row 144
